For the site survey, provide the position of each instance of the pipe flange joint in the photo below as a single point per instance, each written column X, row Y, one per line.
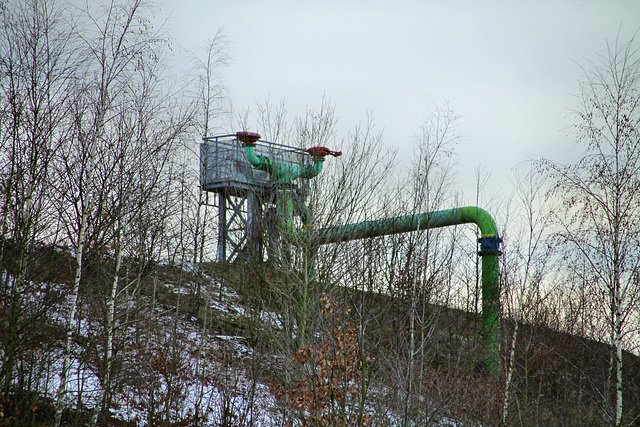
column 489, row 245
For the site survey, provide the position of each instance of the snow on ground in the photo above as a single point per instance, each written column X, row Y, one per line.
column 208, row 374
column 218, row 390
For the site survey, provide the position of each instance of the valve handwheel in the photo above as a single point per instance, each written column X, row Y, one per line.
column 248, row 138
column 322, row 152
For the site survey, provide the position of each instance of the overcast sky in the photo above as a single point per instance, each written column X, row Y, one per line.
column 509, row 68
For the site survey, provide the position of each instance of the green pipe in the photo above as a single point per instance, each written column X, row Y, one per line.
column 489, row 251
column 407, row 223
column 282, row 172
column 286, row 173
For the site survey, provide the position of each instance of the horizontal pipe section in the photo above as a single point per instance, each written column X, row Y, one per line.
column 436, row 219
column 407, row 223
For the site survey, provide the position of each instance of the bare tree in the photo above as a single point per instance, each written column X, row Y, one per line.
column 424, row 261
column 526, row 264
column 600, row 219
column 124, row 125
column 37, row 66
column 272, row 120
column 210, row 96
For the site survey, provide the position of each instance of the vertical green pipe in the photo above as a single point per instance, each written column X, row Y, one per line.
column 489, row 251
column 491, row 311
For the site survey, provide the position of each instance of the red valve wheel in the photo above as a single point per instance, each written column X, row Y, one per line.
column 322, row 152
column 248, row 138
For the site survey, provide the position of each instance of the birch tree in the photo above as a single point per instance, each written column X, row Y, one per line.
column 600, row 217
column 37, row 65
column 209, row 95
column 526, row 264
column 122, row 133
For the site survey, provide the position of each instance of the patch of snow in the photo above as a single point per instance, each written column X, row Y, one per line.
column 182, row 290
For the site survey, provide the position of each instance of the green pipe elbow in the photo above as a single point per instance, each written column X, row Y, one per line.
column 314, row 170
column 407, row 223
column 444, row 218
column 282, row 172
column 480, row 217
column 258, row 162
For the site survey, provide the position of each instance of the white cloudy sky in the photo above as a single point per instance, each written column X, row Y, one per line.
column 510, row 68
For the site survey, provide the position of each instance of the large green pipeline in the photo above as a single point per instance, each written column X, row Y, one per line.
column 489, row 241
column 489, row 251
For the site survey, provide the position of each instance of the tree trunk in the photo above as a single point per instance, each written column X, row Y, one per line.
column 510, row 368
column 618, row 324
column 110, row 329
column 71, row 320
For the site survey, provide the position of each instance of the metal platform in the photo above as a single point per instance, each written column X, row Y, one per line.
column 243, row 192
column 224, row 168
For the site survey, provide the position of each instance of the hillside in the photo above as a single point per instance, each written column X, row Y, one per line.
column 222, row 345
